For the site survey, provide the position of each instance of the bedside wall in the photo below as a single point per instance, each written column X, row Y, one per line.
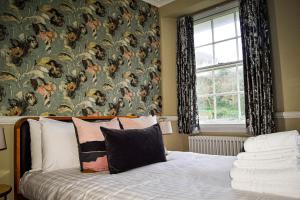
column 176, row 141
column 7, row 159
column 285, row 31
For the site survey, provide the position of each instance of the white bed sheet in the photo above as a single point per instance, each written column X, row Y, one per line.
column 185, row 176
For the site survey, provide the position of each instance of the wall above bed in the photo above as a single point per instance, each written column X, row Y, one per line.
column 83, row 57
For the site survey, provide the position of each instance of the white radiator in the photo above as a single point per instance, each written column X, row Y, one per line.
column 216, row 145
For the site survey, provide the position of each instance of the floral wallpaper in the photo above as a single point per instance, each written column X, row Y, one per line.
column 79, row 57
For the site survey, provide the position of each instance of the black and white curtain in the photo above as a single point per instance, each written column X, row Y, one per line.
column 188, row 120
column 257, row 66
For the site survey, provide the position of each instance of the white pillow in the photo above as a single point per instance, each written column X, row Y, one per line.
column 59, row 145
column 35, row 144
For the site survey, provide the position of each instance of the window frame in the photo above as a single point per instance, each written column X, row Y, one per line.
column 218, row 124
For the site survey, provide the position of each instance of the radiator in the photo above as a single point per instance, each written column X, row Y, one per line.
column 216, row 145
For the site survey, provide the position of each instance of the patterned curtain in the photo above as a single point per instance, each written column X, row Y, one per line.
column 188, row 120
column 257, row 66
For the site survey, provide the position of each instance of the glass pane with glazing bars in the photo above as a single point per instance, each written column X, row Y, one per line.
column 218, row 54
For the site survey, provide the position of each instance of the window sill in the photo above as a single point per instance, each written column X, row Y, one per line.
column 217, row 128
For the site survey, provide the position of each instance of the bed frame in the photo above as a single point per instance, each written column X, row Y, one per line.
column 22, row 155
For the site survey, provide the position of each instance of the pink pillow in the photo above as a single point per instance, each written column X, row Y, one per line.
column 138, row 123
column 92, row 152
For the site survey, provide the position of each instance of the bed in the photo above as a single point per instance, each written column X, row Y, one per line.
column 185, row 175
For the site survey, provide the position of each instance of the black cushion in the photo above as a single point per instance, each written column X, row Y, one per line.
column 128, row 149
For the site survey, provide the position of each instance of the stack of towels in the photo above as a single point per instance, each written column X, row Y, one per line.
column 270, row 164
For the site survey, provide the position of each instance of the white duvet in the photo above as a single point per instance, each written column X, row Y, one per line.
column 185, row 176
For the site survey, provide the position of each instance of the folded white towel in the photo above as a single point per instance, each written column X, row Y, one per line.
column 277, row 188
column 285, row 163
column 272, row 141
column 277, row 175
column 273, row 154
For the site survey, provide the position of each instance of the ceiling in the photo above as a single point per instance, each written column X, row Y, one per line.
column 159, row 3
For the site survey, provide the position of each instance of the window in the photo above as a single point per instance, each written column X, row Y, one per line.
column 218, row 53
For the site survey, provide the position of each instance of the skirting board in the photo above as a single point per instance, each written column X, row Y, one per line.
column 278, row 115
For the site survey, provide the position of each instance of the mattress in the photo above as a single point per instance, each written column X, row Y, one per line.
column 185, row 176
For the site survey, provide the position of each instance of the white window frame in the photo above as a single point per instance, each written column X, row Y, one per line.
column 221, row 125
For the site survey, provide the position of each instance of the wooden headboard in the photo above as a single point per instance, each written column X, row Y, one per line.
column 22, row 150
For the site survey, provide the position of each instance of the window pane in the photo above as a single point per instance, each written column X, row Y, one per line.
column 225, row 80
column 220, row 89
column 204, row 83
column 240, row 49
column 238, row 25
column 204, row 56
column 241, row 78
column 242, row 99
column 227, row 107
column 224, row 27
column 206, row 108
column 202, row 34
column 225, row 51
